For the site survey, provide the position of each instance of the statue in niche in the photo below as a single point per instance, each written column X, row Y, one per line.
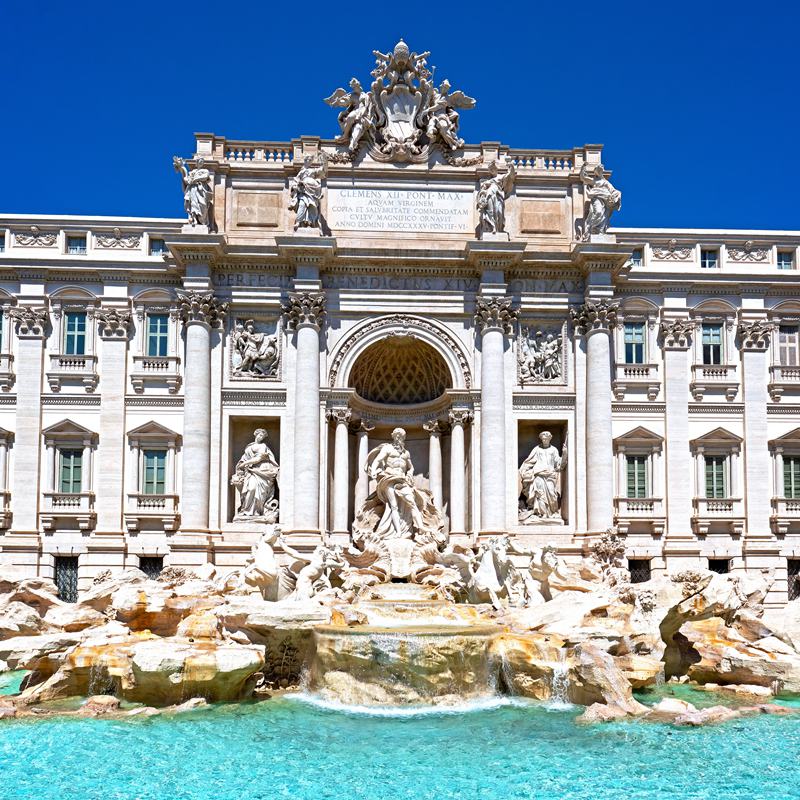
column 540, row 483
column 257, row 351
column 603, row 199
column 358, row 116
column 197, row 191
column 398, row 509
column 256, row 477
column 491, row 200
column 306, row 192
column 539, row 357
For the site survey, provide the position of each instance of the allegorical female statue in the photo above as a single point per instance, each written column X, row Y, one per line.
column 256, row 477
column 491, row 201
column 306, row 192
column 540, row 482
column 197, row 191
column 398, row 509
column 603, row 200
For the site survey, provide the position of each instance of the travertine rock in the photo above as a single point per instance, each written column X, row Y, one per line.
column 71, row 618
column 18, row 619
column 785, row 622
column 99, row 704
column 42, row 653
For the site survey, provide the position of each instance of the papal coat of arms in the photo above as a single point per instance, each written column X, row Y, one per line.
column 403, row 114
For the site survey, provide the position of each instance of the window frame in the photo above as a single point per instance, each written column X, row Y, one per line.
column 720, row 345
column 74, row 237
column 724, row 477
column 791, row 256
column 641, row 483
column 159, row 337
column 146, row 482
column 715, row 252
column 76, row 337
column 642, row 327
column 75, row 454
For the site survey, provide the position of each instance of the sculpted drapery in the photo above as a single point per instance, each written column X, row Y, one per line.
column 540, row 482
column 256, row 476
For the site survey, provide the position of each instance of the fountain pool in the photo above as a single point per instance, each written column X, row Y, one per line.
column 291, row 747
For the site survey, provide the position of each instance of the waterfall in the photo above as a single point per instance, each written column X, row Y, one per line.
column 559, row 686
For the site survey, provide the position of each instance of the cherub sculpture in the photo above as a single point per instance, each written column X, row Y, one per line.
column 440, row 117
column 358, row 115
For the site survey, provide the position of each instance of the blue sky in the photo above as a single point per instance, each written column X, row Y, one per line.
column 696, row 103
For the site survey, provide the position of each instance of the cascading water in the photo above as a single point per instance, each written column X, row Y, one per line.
column 559, row 689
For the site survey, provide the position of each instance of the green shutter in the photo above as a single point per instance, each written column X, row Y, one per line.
column 791, row 477
column 715, row 477
column 70, row 468
column 155, row 463
column 637, row 476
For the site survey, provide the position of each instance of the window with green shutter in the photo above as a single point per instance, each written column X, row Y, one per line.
column 637, row 476
column 70, row 467
column 155, row 469
column 75, row 333
column 157, row 334
column 716, row 478
column 791, row 477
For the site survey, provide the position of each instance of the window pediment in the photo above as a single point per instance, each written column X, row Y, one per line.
column 640, row 438
column 67, row 430
column 153, row 433
column 720, row 439
column 789, row 441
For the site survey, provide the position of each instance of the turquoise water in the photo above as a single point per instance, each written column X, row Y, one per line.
column 292, row 749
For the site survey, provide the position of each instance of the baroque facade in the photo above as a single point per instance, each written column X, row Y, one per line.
column 172, row 386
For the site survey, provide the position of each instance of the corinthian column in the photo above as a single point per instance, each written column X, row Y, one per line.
column 594, row 321
column 31, row 324
column 200, row 312
column 494, row 318
column 362, row 479
column 304, row 312
column 458, row 503
column 435, row 460
column 341, row 468
column 115, row 325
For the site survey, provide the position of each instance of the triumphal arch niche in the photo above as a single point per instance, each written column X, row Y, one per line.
column 416, row 328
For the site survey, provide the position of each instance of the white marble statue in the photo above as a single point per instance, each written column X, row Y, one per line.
column 313, row 573
column 306, row 192
column 441, row 116
column 540, row 357
column 358, row 116
column 258, row 351
column 540, row 482
column 491, row 200
column 256, row 477
column 261, row 574
column 198, row 191
column 602, row 199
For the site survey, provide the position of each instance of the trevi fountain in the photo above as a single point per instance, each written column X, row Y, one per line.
column 387, row 633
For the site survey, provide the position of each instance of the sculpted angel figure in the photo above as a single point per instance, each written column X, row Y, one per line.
column 256, row 476
column 197, row 191
column 540, row 479
column 258, row 351
column 603, row 199
column 442, row 117
column 306, row 192
column 491, row 201
column 398, row 509
column 358, row 116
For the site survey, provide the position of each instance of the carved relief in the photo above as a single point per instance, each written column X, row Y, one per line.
column 304, row 308
column 672, row 252
column 255, row 349
column 36, row 238
column 118, row 239
column 594, row 314
column 748, row 253
column 495, row 312
column 196, row 306
column 540, row 355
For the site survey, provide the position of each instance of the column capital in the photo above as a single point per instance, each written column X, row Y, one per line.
column 115, row 323
column 495, row 313
column 676, row 334
column 204, row 307
column 594, row 315
column 433, row 427
column 304, row 309
column 754, row 334
column 341, row 416
column 362, row 427
column 31, row 322
column 460, row 416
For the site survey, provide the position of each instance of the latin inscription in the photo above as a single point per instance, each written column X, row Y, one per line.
column 424, row 211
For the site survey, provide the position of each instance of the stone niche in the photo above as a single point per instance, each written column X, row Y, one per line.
column 528, row 437
column 240, row 434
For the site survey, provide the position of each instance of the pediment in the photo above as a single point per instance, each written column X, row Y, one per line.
column 717, row 436
column 6, row 436
column 66, row 428
column 639, row 435
column 790, row 438
column 154, row 430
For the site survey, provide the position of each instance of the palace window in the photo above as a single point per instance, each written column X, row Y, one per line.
column 785, row 259
column 793, row 574
column 712, row 343
column 151, row 566
column 154, row 469
column 639, row 569
column 75, row 333
column 716, row 477
column 791, row 477
column 709, row 259
column 157, row 247
column 76, row 245
column 636, row 257
column 66, row 578
column 2, row 241
column 634, row 342
column 157, row 334
column 789, row 345
column 722, row 566
column 70, row 469
column 636, row 473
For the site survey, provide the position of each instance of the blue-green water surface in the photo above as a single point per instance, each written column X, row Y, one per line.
column 287, row 748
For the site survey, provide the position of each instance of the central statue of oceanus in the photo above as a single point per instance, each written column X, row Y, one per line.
column 404, row 113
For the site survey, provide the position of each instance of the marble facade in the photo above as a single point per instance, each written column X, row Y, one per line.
column 664, row 363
